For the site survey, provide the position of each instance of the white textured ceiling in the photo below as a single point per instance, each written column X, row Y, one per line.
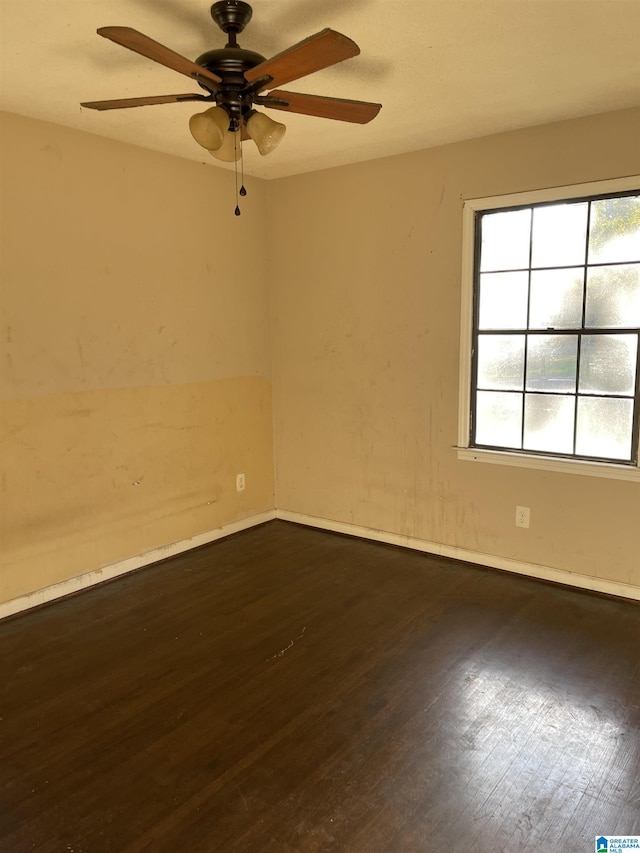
column 444, row 70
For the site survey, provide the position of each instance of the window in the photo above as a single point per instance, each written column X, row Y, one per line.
column 551, row 343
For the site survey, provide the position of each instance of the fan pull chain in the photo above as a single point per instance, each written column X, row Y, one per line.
column 235, row 163
column 243, row 191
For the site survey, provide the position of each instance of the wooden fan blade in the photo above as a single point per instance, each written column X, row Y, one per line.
column 124, row 103
column 146, row 46
column 340, row 109
column 314, row 53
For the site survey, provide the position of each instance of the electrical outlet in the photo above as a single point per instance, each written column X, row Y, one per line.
column 522, row 516
column 239, row 482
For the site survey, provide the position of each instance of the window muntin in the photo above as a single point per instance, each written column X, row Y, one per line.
column 556, row 326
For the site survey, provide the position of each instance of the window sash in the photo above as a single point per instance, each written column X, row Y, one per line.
column 472, row 212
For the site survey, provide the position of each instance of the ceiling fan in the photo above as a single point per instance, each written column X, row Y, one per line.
column 235, row 79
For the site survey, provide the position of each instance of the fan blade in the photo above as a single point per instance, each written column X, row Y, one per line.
column 146, row 46
column 340, row 109
column 123, row 103
column 314, row 53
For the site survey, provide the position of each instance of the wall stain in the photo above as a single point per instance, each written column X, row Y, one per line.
column 81, row 356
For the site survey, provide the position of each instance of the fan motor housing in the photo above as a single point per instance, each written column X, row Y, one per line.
column 230, row 62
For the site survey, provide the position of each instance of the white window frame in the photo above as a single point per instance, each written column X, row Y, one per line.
column 518, row 458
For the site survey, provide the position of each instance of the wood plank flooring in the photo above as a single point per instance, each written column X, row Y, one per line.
column 288, row 690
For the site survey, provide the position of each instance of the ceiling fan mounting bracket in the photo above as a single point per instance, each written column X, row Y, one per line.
column 232, row 16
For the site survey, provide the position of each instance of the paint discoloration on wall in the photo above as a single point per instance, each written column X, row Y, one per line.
column 135, row 360
column 95, row 477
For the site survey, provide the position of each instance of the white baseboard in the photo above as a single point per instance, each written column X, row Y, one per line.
column 84, row 581
column 66, row 587
column 546, row 573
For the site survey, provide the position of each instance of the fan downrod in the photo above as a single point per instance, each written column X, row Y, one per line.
column 232, row 16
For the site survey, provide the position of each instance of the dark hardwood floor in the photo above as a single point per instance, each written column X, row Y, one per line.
column 288, row 690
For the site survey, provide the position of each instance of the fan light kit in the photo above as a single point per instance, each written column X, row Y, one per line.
column 234, row 80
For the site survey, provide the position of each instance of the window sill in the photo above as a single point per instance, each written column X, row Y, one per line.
column 549, row 463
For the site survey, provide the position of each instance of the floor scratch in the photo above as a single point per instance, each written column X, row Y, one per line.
column 239, row 789
column 286, row 648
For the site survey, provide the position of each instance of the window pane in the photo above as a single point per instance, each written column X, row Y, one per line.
column 556, row 332
column 608, row 364
column 551, row 363
column 559, row 235
column 498, row 419
column 604, row 427
column 501, row 361
column 548, row 423
column 556, row 299
column 615, row 230
column 613, row 296
column 503, row 300
column 505, row 240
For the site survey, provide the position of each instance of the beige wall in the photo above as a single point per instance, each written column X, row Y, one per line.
column 366, row 351
column 135, row 353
